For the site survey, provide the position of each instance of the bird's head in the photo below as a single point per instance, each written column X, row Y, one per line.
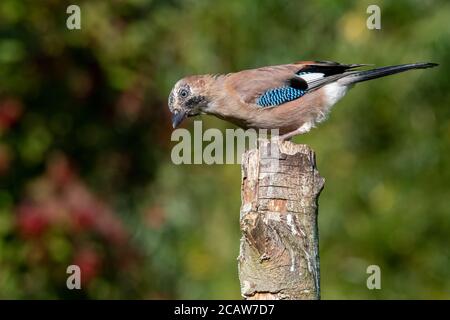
column 187, row 99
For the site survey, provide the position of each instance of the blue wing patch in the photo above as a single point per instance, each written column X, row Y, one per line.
column 280, row 95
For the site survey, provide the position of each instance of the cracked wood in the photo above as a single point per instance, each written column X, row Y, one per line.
column 279, row 252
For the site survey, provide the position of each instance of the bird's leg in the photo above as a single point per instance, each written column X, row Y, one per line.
column 287, row 136
column 290, row 135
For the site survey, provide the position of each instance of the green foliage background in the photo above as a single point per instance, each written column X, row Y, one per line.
column 85, row 169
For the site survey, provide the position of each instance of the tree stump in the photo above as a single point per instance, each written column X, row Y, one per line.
column 279, row 251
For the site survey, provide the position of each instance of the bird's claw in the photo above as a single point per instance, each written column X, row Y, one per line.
column 277, row 139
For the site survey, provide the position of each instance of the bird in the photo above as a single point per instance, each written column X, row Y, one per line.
column 292, row 98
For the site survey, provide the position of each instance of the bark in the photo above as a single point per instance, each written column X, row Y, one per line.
column 279, row 252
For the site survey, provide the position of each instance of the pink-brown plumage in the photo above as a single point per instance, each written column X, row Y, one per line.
column 234, row 97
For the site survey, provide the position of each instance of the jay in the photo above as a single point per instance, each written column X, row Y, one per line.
column 292, row 98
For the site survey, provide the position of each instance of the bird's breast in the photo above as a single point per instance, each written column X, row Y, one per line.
column 311, row 108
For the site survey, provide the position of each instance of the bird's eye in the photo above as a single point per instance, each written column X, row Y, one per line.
column 183, row 93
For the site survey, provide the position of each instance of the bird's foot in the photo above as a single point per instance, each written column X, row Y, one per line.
column 279, row 139
column 288, row 136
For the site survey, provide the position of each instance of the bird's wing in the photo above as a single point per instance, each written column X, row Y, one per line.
column 276, row 85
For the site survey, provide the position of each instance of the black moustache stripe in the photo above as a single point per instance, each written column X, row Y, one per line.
column 195, row 101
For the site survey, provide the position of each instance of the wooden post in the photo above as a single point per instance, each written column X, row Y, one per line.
column 279, row 252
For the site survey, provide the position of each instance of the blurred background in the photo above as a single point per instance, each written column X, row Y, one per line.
column 85, row 171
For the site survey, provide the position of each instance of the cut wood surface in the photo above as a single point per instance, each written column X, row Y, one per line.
column 279, row 252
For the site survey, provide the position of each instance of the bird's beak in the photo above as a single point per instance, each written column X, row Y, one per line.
column 177, row 118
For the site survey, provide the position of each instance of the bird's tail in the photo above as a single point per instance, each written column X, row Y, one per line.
column 364, row 75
